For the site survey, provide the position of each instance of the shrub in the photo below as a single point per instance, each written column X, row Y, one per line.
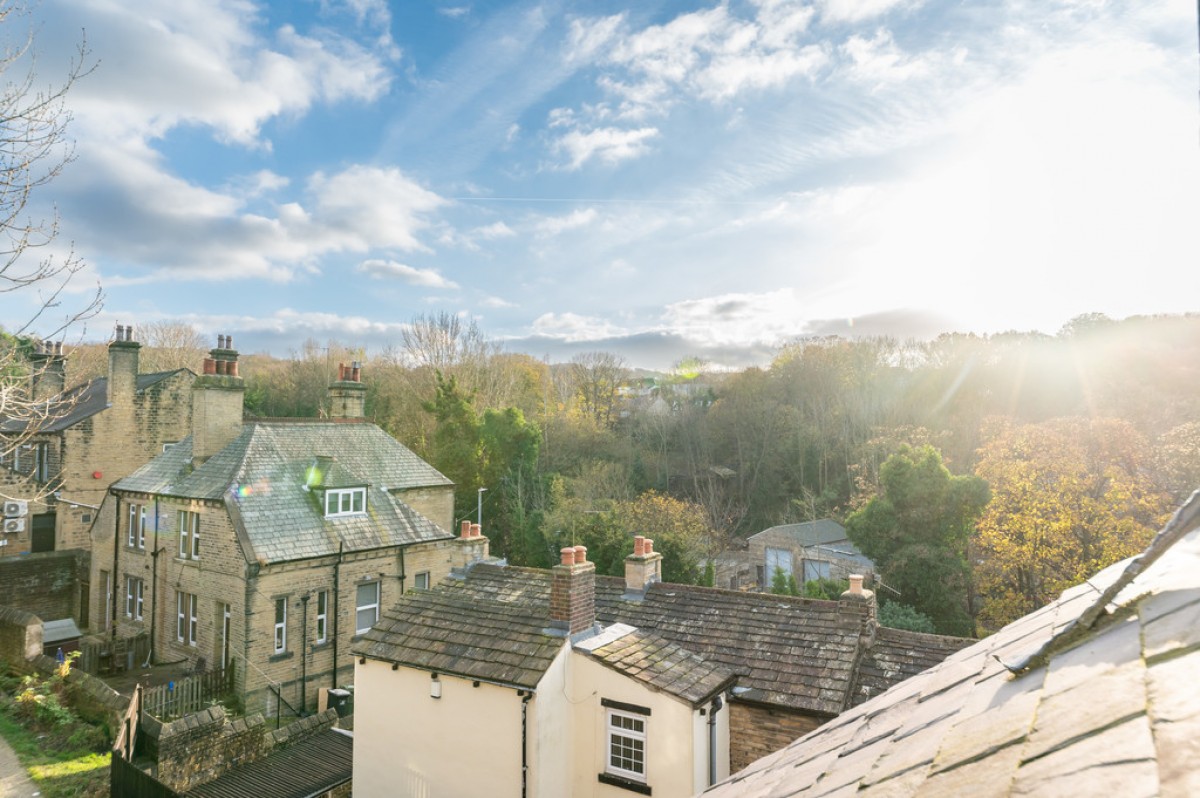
column 901, row 616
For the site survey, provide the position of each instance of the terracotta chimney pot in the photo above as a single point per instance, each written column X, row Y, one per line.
column 476, row 531
column 568, row 556
column 210, row 366
column 648, row 546
column 231, row 368
column 466, row 529
column 580, row 555
column 856, row 584
column 639, row 546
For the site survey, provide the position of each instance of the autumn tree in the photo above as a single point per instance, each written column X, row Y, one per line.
column 917, row 531
column 596, row 378
column 1070, row 496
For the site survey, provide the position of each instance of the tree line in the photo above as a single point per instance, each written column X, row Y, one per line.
column 983, row 473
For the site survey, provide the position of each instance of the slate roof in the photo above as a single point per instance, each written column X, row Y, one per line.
column 82, row 402
column 790, row 652
column 262, row 474
column 306, row 768
column 650, row 659
column 452, row 629
column 1105, row 702
column 810, row 533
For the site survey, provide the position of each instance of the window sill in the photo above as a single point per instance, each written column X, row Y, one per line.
column 280, row 657
column 624, row 783
column 321, row 646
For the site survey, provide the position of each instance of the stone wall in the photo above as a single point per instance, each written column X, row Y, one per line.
column 755, row 731
column 45, row 584
column 20, row 635
column 198, row 748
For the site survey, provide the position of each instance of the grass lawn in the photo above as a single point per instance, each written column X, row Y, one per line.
column 58, row 767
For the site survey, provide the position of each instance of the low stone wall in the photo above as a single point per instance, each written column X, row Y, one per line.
column 200, row 747
column 755, row 731
column 20, row 635
column 91, row 697
column 46, row 584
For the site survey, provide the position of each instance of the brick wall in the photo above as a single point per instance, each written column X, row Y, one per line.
column 45, row 584
column 756, row 731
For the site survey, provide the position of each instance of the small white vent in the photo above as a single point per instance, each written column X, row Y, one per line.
column 14, row 525
column 16, row 508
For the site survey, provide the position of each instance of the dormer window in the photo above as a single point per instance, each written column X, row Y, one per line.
column 345, row 501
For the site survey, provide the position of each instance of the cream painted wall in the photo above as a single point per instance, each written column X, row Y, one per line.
column 700, row 737
column 408, row 745
column 670, row 732
column 550, row 731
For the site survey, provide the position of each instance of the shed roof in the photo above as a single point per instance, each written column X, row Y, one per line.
column 1108, row 704
column 809, row 533
column 303, row 769
column 262, row 476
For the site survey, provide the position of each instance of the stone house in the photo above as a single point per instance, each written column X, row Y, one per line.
column 796, row 663
column 60, row 460
column 1093, row 694
column 809, row 550
column 552, row 703
column 268, row 546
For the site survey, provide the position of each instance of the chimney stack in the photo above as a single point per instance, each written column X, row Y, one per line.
column 49, row 376
column 857, row 606
column 471, row 545
column 642, row 568
column 573, row 592
column 122, row 367
column 347, row 396
column 216, row 402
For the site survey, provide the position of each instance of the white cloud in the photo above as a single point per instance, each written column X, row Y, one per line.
column 427, row 278
column 364, row 207
column 741, row 319
column 494, row 231
column 555, row 225
column 497, row 302
column 454, row 12
column 574, row 327
column 878, row 60
column 609, row 144
column 859, row 10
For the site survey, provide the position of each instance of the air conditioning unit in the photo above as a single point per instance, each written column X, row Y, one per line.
column 14, row 525
column 16, row 508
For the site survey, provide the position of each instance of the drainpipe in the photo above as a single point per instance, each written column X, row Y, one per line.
column 116, row 581
column 712, row 739
column 401, row 550
column 304, row 655
column 525, row 743
column 337, row 568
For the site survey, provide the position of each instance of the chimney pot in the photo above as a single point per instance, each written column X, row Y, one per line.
column 856, row 584
column 356, row 372
column 229, row 342
column 476, row 531
column 220, row 367
column 466, row 529
column 648, row 546
column 231, row 368
column 639, row 546
column 568, row 556
column 580, row 555
column 210, row 366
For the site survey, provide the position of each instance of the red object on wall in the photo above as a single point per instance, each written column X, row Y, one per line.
column 96, row 475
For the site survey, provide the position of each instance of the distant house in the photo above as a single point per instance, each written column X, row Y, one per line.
column 809, row 550
column 268, row 546
column 59, row 463
column 1094, row 694
column 490, row 638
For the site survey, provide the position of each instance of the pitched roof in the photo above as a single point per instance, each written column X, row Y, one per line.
column 1109, row 707
column 82, row 402
column 650, row 659
column 453, row 629
column 789, row 652
column 810, row 533
column 262, row 476
column 305, row 768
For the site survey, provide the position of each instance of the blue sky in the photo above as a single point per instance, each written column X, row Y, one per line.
column 659, row 179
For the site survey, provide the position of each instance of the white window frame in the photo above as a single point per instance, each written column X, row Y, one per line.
column 345, row 501
column 359, row 609
column 280, row 625
column 186, row 606
column 135, row 594
column 421, row 580
column 189, row 535
column 135, row 536
column 322, row 616
column 106, row 579
column 636, row 740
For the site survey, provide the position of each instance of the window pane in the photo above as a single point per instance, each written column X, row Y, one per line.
column 368, row 593
column 321, row 600
column 280, row 610
column 358, row 500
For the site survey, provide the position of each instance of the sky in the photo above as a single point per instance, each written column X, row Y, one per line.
column 651, row 178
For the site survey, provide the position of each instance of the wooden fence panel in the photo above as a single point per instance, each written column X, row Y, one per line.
column 190, row 694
